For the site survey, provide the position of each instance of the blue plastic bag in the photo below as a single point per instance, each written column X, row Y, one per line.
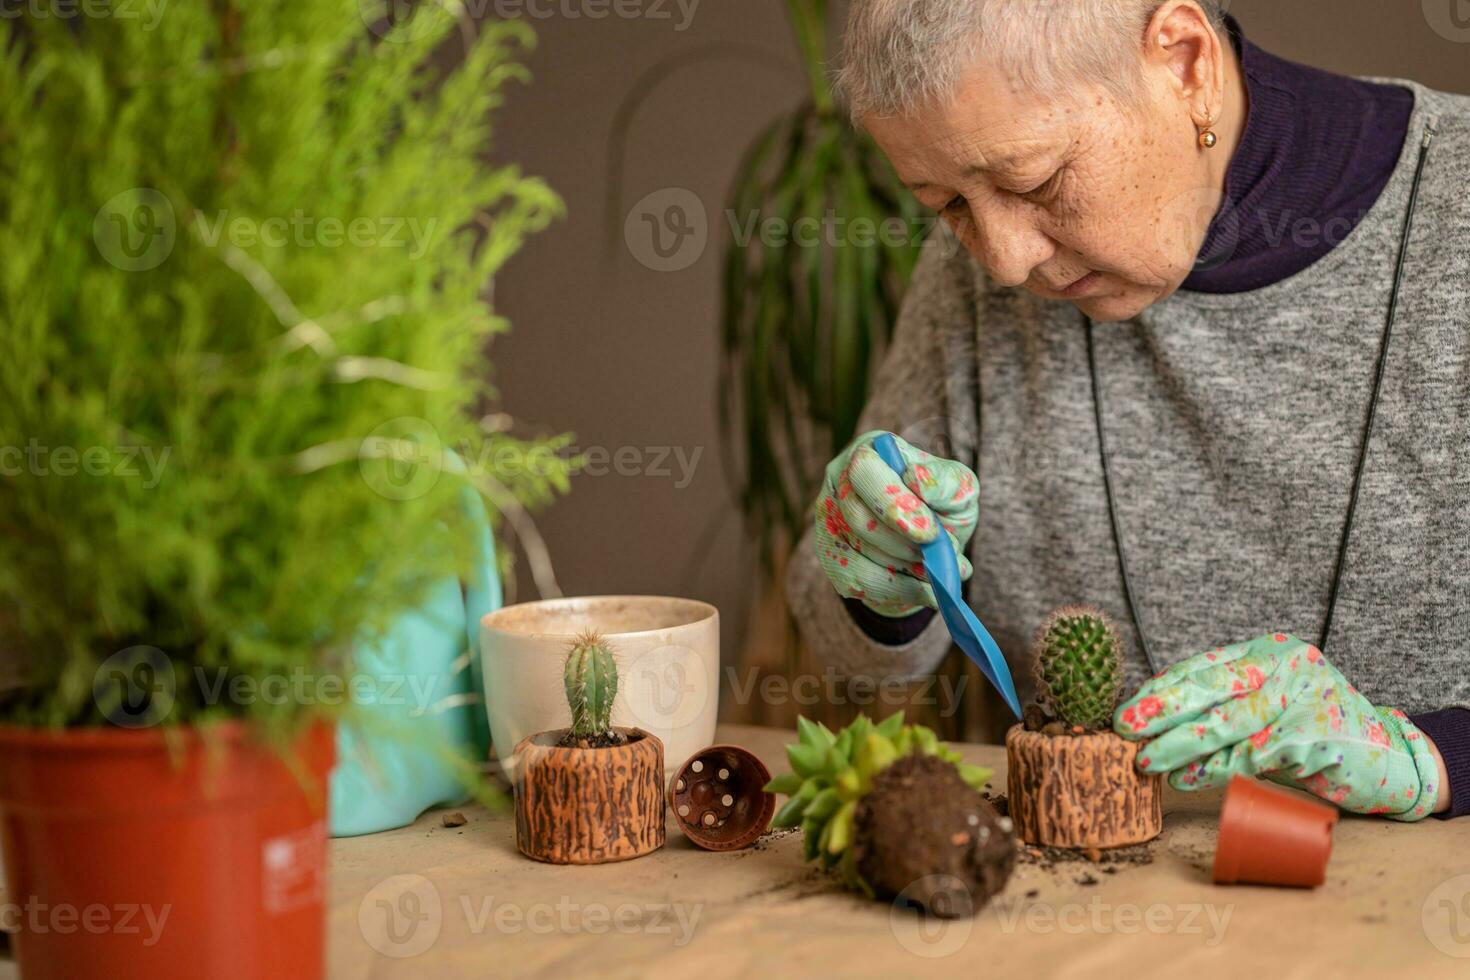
column 418, row 701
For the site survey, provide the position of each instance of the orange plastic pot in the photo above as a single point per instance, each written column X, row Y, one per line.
column 1269, row 836
column 127, row 857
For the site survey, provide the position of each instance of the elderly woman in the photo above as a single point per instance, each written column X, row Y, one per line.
column 1193, row 344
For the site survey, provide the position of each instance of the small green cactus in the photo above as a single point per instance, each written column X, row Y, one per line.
column 591, row 678
column 1079, row 665
column 831, row 773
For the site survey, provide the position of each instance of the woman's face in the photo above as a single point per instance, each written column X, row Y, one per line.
column 1082, row 199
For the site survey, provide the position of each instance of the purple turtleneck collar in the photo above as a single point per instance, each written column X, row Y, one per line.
column 1317, row 152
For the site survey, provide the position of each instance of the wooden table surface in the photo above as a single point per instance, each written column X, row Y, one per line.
column 429, row 901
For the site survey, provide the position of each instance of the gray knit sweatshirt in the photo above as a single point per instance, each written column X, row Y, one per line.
column 1234, row 424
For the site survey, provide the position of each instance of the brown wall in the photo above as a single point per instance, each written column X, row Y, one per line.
column 626, row 356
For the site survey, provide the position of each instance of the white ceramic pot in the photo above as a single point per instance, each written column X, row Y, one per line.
column 668, row 655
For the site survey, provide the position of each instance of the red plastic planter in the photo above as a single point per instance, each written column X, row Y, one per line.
column 105, row 831
column 1269, row 836
column 719, row 800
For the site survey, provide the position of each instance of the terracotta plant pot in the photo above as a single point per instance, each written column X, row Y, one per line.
column 589, row 806
column 1080, row 790
column 1270, row 836
column 207, row 863
column 719, row 800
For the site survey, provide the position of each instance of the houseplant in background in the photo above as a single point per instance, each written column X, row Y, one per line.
column 807, row 312
column 244, row 250
column 823, row 241
column 1071, row 782
column 589, row 793
column 898, row 812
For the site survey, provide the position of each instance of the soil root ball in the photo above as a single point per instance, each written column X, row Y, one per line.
column 926, row 836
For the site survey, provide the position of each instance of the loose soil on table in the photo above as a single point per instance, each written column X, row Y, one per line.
column 764, row 841
column 1083, row 863
column 1049, row 857
column 925, row 833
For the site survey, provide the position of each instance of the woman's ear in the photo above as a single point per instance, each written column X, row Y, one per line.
column 1183, row 44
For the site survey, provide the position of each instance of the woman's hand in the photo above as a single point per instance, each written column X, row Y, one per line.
column 870, row 523
column 1275, row 707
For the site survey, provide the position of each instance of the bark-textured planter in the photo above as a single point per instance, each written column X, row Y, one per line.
column 1080, row 790
column 589, row 806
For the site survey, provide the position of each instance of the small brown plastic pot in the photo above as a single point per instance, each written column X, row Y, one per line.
column 719, row 800
column 1269, row 836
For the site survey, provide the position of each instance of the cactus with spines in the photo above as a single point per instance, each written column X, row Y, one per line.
column 831, row 773
column 591, row 678
column 1079, row 665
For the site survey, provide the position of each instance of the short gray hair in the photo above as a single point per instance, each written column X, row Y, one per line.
column 900, row 55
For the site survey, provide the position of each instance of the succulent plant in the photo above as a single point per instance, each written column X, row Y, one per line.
column 1079, row 665
column 831, row 773
column 591, row 678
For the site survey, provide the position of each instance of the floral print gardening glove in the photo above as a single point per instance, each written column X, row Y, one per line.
column 1275, row 707
column 870, row 523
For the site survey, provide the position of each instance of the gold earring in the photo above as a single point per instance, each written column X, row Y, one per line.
column 1207, row 137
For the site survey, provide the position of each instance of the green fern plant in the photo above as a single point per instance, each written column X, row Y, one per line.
column 1079, row 665
column 320, row 400
column 591, row 679
column 831, row 773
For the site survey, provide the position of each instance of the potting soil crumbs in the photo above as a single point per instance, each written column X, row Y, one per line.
column 764, row 841
column 1061, row 859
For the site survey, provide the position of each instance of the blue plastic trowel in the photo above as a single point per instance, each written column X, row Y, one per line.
column 943, row 570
